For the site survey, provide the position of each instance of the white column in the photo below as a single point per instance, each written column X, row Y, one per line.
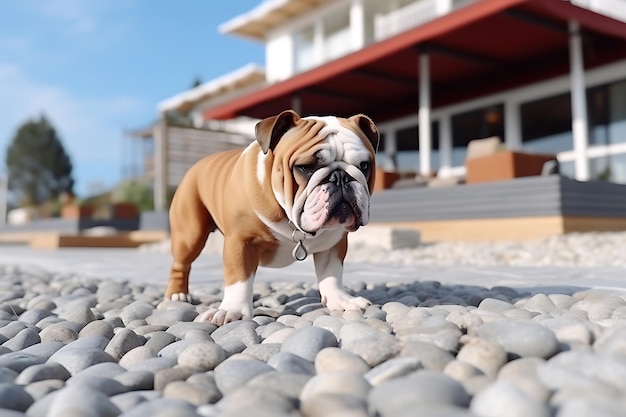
column 425, row 141
column 357, row 25
column 4, row 199
column 445, row 142
column 318, row 41
column 512, row 126
column 391, row 148
column 580, row 128
column 160, row 164
column 443, row 7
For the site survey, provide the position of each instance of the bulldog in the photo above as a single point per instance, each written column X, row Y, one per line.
column 297, row 190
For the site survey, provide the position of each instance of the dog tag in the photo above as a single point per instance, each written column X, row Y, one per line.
column 299, row 253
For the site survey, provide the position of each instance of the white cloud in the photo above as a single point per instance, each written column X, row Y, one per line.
column 91, row 129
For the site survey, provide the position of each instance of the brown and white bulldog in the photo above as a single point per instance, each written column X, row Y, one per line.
column 300, row 188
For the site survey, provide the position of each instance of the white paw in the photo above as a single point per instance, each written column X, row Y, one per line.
column 220, row 317
column 181, row 296
column 341, row 300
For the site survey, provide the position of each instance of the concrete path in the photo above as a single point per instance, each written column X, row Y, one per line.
column 138, row 266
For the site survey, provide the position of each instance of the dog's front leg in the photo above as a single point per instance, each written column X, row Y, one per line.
column 329, row 271
column 241, row 260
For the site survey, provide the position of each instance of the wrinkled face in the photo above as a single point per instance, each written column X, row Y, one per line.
column 330, row 168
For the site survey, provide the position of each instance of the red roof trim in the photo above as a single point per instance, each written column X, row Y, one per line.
column 376, row 51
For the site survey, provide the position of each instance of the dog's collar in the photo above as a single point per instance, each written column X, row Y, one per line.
column 299, row 253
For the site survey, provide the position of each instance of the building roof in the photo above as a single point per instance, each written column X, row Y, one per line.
column 241, row 78
column 266, row 16
column 484, row 47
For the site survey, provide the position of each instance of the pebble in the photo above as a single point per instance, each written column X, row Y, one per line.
column 436, row 349
column 202, row 356
column 237, row 370
column 521, row 338
column 306, row 342
column 372, row 346
column 14, row 397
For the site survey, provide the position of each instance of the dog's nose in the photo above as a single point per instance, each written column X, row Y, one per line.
column 339, row 178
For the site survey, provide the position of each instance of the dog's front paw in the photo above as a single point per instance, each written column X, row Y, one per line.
column 341, row 300
column 220, row 316
column 180, row 296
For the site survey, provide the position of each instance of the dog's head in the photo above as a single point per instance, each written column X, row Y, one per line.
column 322, row 169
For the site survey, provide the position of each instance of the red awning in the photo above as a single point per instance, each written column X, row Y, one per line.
column 485, row 47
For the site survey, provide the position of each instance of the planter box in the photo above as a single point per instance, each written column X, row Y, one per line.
column 76, row 212
column 505, row 165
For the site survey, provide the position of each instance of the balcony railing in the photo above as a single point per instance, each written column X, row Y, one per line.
column 409, row 16
column 612, row 8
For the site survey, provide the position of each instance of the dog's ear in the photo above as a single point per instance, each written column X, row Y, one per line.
column 368, row 127
column 269, row 131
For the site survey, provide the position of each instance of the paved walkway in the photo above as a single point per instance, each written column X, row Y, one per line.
column 138, row 266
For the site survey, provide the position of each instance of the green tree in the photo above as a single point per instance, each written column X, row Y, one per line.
column 39, row 168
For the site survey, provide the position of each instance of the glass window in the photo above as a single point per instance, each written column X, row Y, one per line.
column 407, row 146
column 607, row 113
column 475, row 124
column 304, row 49
column 547, row 125
column 609, row 168
column 337, row 40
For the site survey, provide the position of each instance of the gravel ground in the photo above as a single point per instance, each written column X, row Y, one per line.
column 75, row 345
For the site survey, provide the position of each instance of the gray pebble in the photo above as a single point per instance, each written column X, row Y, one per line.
column 104, row 369
column 521, row 338
column 194, row 394
column 168, row 375
column 306, row 342
column 158, row 340
column 279, row 336
column 597, row 407
column 331, row 323
column 264, row 331
column 128, row 401
column 136, row 355
column 432, row 357
column 334, row 359
column 257, row 402
column 391, row 369
column 107, row 386
column 75, row 360
column 180, row 329
column 206, row 381
column 153, row 364
column 395, row 311
column 485, row 355
column 173, row 350
column 289, row 363
column 136, row 380
column 340, row 382
column 22, row 340
column 78, row 313
column 136, row 310
column 45, row 349
column 263, row 351
column 7, row 375
column 202, row 356
column 40, row 389
column 538, row 303
column 372, row 346
column 171, row 317
column 461, row 371
column 291, row 320
column 234, row 372
column 18, row 361
column 14, row 397
column 88, row 342
column 65, row 404
column 41, row 372
column 236, row 336
column 54, row 333
column 444, row 335
column 97, row 328
column 10, row 330
column 495, row 305
column 34, row 315
column 503, row 399
column 334, row 405
column 417, row 390
column 123, row 341
column 289, row 385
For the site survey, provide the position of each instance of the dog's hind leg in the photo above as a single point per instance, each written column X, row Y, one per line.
column 190, row 225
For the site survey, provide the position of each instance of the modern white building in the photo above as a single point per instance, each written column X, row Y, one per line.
column 546, row 76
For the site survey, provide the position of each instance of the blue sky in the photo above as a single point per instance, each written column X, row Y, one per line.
column 96, row 68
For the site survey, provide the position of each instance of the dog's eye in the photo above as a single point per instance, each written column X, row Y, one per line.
column 307, row 169
column 364, row 166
